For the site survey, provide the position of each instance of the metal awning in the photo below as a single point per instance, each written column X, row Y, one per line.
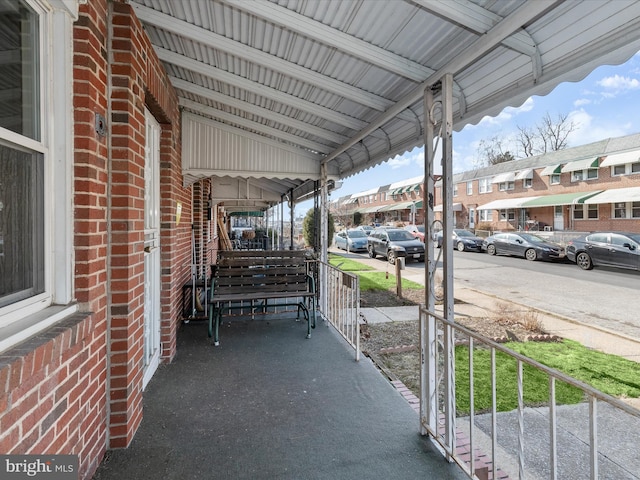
column 528, row 173
column 370, row 209
column 396, row 206
column 560, row 199
column 506, row 203
column 551, row 170
column 621, row 158
column 504, row 177
column 583, row 164
column 283, row 91
column 630, row 194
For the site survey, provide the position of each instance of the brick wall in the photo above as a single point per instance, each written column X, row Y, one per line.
column 76, row 388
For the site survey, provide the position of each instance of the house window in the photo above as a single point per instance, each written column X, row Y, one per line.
column 619, row 170
column 626, row 210
column 34, row 220
column 580, row 212
column 554, row 179
column 504, row 186
column 620, row 210
column 588, row 174
column 625, row 169
column 455, row 190
column 484, row 185
column 527, row 182
column 485, row 215
column 508, row 215
column 635, row 167
column 469, row 188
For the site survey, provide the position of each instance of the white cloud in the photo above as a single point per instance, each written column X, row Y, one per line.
column 401, row 161
column 581, row 101
column 618, row 83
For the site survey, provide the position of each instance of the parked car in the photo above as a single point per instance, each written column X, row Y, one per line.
column 365, row 228
column 351, row 240
column 612, row 249
column 392, row 243
column 463, row 240
column 524, row 245
column 417, row 231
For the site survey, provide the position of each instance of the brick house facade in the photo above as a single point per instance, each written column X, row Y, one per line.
column 75, row 384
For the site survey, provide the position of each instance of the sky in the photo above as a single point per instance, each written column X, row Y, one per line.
column 605, row 104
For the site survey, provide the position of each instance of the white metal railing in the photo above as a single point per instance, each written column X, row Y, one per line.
column 594, row 439
column 340, row 302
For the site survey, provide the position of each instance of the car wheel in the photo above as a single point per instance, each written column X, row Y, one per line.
column 391, row 257
column 460, row 247
column 372, row 252
column 491, row 249
column 531, row 255
column 583, row 260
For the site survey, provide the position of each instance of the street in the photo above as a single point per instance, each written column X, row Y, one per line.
column 603, row 297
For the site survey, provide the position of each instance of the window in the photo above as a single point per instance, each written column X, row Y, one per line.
column 527, row 182
column 554, row 179
column 455, row 189
column 588, row 174
column 35, row 203
column 626, row 210
column 484, row 185
column 508, row 215
column 469, row 188
column 504, row 186
column 625, row 169
column 485, row 215
column 580, row 212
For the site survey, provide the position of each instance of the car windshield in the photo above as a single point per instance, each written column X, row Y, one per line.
column 464, row 233
column 357, row 234
column 399, row 235
column 532, row 238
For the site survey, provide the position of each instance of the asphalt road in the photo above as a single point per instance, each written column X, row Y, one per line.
column 602, row 297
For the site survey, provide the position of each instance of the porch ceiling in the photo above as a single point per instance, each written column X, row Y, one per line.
column 272, row 90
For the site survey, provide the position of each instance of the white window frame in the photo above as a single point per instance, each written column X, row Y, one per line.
column 25, row 318
column 629, row 169
column 586, row 211
column 554, row 179
column 504, row 186
column 485, row 185
column 628, row 211
column 527, row 182
column 485, row 215
column 469, row 188
column 584, row 175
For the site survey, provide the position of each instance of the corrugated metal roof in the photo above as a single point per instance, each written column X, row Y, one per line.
column 341, row 82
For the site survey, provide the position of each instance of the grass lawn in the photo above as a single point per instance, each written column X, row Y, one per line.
column 610, row 374
column 370, row 280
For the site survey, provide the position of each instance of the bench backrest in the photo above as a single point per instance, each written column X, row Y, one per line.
column 239, row 271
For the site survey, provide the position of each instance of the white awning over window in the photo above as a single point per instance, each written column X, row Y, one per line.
column 631, row 194
column 580, row 165
column 528, row 173
column 621, row 158
column 504, row 177
column 506, row 203
column 551, row 170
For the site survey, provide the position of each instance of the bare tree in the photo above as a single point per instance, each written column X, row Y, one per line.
column 547, row 136
column 492, row 151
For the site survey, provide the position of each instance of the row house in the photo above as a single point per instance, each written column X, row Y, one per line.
column 586, row 188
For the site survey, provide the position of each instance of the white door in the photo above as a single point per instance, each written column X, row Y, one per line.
column 472, row 218
column 558, row 218
column 151, row 249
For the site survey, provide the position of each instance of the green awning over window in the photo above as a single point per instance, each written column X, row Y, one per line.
column 581, row 165
column 560, row 199
column 551, row 170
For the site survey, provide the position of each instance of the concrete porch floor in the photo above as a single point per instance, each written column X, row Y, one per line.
column 268, row 403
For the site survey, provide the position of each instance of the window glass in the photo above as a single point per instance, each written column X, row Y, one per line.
column 554, row 179
column 592, row 173
column 19, row 75
column 620, row 210
column 21, row 225
column 598, row 238
column 635, row 167
column 578, row 212
column 635, row 209
column 592, row 211
column 619, row 169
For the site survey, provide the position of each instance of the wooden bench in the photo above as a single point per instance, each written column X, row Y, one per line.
column 240, row 278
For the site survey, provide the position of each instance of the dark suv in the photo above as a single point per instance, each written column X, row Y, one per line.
column 394, row 242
